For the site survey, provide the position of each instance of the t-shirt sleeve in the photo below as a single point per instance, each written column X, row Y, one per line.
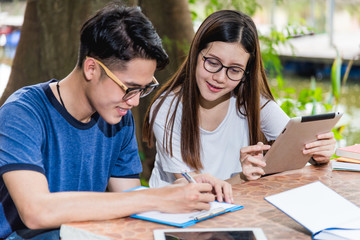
column 273, row 119
column 174, row 163
column 21, row 138
column 128, row 162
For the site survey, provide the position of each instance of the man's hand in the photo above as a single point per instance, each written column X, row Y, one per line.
column 221, row 189
column 251, row 159
column 183, row 197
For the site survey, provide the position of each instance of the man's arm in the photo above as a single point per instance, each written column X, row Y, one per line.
column 38, row 208
column 122, row 184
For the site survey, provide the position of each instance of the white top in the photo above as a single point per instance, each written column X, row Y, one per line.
column 220, row 153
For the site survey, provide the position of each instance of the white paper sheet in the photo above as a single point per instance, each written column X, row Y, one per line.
column 317, row 207
column 182, row 217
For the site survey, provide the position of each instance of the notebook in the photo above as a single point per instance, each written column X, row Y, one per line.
column 325, row 213
column 186, row 219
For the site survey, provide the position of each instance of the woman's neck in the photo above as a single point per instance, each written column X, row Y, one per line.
column 212, row 113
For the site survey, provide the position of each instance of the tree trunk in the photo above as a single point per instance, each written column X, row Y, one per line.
column 49, row 41
column 172, row 20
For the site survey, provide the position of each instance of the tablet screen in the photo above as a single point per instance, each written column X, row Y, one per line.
column 207, row 234
column 221, row 235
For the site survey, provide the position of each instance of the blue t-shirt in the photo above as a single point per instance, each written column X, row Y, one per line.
column 38, row 134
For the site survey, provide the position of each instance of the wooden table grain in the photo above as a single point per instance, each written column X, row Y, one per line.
column 256, row 213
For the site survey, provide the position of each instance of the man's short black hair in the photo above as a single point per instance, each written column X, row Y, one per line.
column 117, row 32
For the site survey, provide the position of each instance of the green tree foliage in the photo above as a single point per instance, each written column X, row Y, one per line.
column 247, row 6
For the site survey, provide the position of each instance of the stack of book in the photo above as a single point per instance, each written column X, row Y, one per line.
column 348, row 158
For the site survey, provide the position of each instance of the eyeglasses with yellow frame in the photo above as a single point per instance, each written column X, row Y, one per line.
column 129, row 92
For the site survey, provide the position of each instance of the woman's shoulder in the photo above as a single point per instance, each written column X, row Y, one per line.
column 169, row 104
column 166, row 100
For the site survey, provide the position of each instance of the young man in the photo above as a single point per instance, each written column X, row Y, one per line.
column 62, row 143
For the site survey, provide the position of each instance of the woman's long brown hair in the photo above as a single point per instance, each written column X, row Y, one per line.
column 225, row 26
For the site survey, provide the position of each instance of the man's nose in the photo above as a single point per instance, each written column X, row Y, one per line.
column 134, row 101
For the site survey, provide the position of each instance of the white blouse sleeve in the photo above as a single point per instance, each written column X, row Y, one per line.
column 272, row 119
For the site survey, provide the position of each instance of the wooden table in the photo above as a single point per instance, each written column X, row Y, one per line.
column 256, row 213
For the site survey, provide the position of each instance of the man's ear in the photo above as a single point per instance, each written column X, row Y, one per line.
column 90, row 69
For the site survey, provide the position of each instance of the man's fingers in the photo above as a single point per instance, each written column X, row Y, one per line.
column 202, row 206
column 221, row 189
column 203, row 187
column 206, row 197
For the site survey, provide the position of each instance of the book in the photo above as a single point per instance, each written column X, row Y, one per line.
column 325, row 213
column 185, row 219
column 352, row 151
column 348, row 160
column 345, row 166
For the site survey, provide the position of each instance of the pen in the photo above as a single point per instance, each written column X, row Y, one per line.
column 209, row 213
column 188, row 177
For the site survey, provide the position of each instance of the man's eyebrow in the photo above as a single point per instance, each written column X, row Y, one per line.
column 132, row 84
column 135, row 85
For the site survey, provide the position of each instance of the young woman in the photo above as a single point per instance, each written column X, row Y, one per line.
column 217, row 110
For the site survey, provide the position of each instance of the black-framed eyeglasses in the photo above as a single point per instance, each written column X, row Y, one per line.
column 129, row 92
column 214, row 65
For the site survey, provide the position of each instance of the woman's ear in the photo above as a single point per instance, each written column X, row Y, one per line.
column 90, row 69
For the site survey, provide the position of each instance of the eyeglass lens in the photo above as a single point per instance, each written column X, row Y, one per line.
column 143, row 92
column 213, row 65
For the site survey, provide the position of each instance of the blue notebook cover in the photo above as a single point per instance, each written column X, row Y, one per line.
column 185, row 219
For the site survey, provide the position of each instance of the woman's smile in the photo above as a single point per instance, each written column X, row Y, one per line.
column 213, row 88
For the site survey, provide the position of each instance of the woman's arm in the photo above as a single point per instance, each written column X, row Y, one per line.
column 251, row 158
column 273, row 120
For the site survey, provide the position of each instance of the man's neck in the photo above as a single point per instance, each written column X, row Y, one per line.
column 73, row 94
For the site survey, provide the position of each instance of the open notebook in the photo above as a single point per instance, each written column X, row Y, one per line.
column 325, row 213
column 186, row 219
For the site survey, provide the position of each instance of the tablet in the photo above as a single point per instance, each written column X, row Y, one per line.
column 286, row 152
column 209, row 233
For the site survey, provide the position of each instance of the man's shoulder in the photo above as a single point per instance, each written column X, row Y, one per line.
column 28, row 95
column 28, row 104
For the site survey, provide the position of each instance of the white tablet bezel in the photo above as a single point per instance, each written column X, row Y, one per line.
column 159, row 234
